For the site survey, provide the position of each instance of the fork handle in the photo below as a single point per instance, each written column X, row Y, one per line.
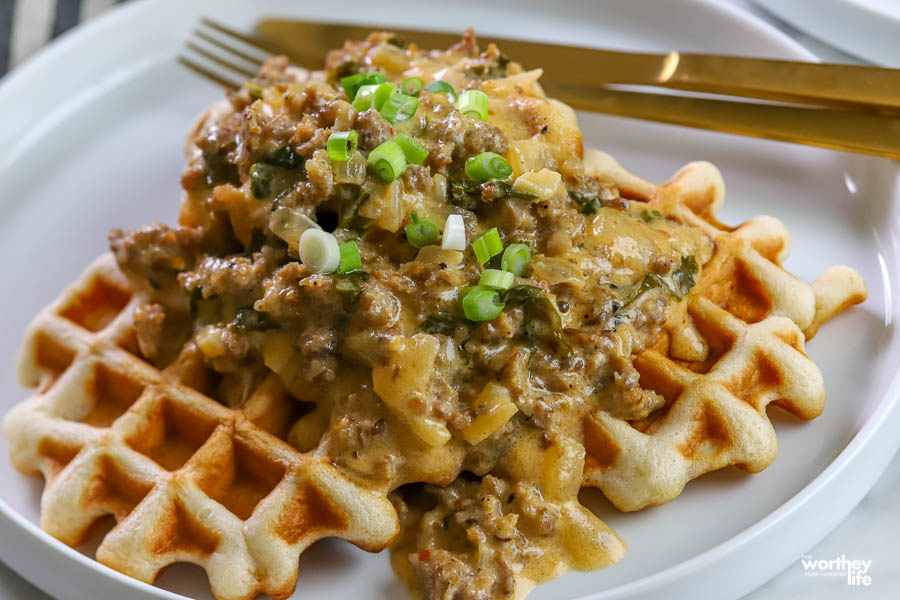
column 866, row 133
column 814, row 83
column 847, row 86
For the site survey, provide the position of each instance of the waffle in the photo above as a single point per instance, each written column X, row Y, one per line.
column 727, row 351
column 187, row 479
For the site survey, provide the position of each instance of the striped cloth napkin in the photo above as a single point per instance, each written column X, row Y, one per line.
column 26, row 25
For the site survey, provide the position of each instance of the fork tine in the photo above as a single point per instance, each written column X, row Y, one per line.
column 264, row 46
column 208, row 74
column 220, row 44
column 221, row 61
column 244, row 54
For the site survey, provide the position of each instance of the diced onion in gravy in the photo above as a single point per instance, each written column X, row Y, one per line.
column 545, row 184
column 289, row 225
column 436, row 254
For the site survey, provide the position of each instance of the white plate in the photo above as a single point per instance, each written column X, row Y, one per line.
column 868, row 29
column 95, row 143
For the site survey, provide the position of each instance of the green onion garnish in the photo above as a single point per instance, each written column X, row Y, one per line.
column 413, row 149
column 341, row 145
column 364, row 95
column 481, row 252
column 515, row 259
column 352, row 83
column 398, row 107
column 482, row 303
column 487, row 245
column 441, row 87
column 496, row 279
column 412, row 86
column 421, row 232
column 319, row 251
column 350, row 260
column 382, row 93
column 388, row 161
column 474, row 104
column 486, row 166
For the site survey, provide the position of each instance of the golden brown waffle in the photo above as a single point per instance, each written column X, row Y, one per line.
column 187, row 479
column 733, row 346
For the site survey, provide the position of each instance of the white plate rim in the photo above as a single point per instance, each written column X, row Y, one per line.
column 888, row 407
column 830, row 20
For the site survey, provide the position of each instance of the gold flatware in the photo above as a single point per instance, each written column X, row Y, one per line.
column 842, row 107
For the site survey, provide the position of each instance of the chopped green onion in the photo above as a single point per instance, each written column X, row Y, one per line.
column 412, row 86
column 441, row 87
column 487, row 166
column 382, row 93
column 498, row 280
column 350, row 260
column 352, row 83
column 398, row 107
column 479, row 246
column 413, row 149
column 319, row 251
column 474, row 104
column 482, row 303
column 515, row 258
column 421, row 232
column 363, row 99
column 341, row 145
column 454, row 237
column 487, row 245
column 388, row 161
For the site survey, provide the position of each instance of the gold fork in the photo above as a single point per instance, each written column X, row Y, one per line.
column 841, row 107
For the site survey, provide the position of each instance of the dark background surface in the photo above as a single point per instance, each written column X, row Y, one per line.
column 26, row 25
